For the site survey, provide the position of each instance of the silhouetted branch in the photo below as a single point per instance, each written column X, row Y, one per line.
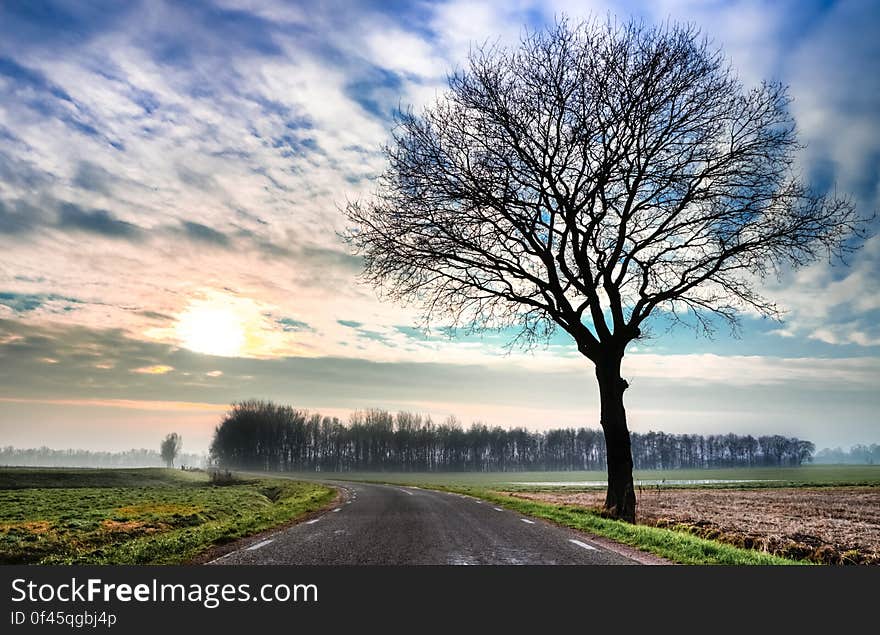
column 588, row 178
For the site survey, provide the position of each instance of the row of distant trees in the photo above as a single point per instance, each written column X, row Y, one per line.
column 47, row 457
column 267, row 436
column 859, row 454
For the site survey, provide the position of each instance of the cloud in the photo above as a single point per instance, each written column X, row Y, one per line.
column 331, row 258
column 156, row 369
column 128, row 404
column 17, row 217
column 671, row 392
column 21, row 303
column 154, row 315
column 204, row 182
column 232, row 143
column 45, row 98
column 20, row 175
column 96, row 221
column 31, row 82
column 204, row 234
column 93, row 178
column 26, row 303
column 752, row 370
column 295, row 326
column 397, row 50
column 837, row 98
column 64, row 21
column 837, row 305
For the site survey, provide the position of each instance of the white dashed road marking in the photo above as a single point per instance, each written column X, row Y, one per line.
column 312, row 522
column 406, row 492
column 526, row 520
column 498, row 509
column 262, row 543
column 338, row 509
column 581, row 544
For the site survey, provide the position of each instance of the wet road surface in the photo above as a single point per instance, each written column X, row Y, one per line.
column 395, row 525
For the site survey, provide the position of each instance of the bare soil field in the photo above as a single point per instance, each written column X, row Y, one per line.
column 832, row 525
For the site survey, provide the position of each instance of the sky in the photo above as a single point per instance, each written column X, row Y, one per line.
column 171, row 180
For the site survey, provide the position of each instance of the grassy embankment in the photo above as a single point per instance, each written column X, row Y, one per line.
column 137, row 516
column 678, row 545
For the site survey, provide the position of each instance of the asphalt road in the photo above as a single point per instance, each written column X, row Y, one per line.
column 392, row 525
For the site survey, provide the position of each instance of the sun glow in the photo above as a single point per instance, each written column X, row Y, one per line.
column 231, row 325
column 212, row 328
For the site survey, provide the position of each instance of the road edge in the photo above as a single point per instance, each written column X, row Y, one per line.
column 217, row 552
column 638, row 556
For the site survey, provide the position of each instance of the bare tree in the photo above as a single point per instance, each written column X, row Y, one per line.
column 591, row 178
column 170, row 448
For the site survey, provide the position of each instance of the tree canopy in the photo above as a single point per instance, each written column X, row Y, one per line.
column 589, row 177
column 170, row 447
column 267, row 436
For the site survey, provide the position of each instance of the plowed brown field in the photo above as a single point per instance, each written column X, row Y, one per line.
column 834, row 525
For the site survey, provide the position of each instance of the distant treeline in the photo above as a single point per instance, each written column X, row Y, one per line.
column 858, row 454
column 266, row 436
column 46, row 457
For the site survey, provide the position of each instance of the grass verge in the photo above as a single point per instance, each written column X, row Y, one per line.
column 157, row 517
column 673, row 545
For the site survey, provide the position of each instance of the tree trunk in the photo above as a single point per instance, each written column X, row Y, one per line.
column 620, row 501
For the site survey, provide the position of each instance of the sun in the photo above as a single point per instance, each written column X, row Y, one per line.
column 210, row 327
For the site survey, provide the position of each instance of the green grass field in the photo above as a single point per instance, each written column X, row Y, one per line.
column 157, row 516
column 142, row 516
column 44, row 477
column 810, row 476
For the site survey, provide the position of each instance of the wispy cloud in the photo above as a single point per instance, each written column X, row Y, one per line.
column 98, row 221
column 128, row 404
column 155, row 369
